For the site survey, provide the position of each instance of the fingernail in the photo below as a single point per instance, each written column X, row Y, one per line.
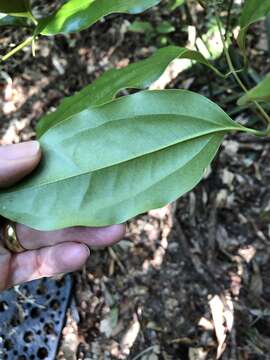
column 87, row 251
column 23, row 150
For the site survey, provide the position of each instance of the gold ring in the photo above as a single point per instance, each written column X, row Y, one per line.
column 11, row 240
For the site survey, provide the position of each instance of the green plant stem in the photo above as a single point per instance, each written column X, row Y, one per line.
column 25, row 43
column 267, row 24
column 242, row 85
column 237, row 78
column 228, row 18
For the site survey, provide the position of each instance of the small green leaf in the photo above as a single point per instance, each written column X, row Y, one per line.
column 107, row 164
column 165, row 28
column 8, row 20
column 139, row 75
column 253, row 10
column 19, row 8
column 261, row 92
column 76, row 15
column 141, row 27
column 174, row 4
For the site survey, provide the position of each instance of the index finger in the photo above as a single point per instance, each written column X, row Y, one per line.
column 32, row 239
column 17, row 161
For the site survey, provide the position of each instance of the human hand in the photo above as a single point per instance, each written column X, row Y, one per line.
column 46, row 253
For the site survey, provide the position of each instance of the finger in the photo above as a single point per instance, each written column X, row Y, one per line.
column 47, row 262
column 5, row 259
column 94, row 237
column 17, row 161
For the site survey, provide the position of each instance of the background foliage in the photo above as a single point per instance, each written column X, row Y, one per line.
column 219, row 242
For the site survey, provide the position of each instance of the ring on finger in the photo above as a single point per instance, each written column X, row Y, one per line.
column 10, row 238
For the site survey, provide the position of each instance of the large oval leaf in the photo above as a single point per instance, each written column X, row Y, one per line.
column 109, row 163
column 261, row 92
column 253, row 10
column 139, row 75
column 77, row 15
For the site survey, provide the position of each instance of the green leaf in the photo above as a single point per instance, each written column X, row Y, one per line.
column 8, row 20
column 174, row 4
column 139, row 75
column 165, row 28
column 15, row 7
column 261, row 92
column 107, row 164
column 141, row 27
column 253, row 10
column 77, row 15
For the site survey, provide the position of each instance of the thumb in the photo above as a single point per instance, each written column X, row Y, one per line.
column 17, row 161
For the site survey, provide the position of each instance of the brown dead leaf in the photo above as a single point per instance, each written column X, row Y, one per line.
column 222, row 314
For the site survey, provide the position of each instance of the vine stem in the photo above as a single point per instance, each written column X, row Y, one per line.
column 228, row 18
column 22, row 45
column 237, row 78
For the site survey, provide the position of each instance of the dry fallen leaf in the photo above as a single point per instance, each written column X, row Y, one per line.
column 222, row 314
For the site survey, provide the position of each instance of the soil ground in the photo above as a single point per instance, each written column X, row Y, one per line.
column 190, row 280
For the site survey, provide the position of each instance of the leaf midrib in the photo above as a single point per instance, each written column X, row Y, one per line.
column 163, row 177
column 89, row 172
column 219, row 127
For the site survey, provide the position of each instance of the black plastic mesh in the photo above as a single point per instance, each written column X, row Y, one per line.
column 32, row 317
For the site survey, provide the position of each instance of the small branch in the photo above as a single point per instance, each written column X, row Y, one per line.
column 267, row 24
column 237, row 78
column 18, row 48
column 228, row 18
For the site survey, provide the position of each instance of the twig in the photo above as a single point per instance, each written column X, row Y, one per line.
column 234, row 350
column 203, row 272
column 27, row 299
column 143, row 352
column 237, row 78
column 267, row 24
column 212, row 230
column 227, row 28
column 25, row 43
column 116, row 259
